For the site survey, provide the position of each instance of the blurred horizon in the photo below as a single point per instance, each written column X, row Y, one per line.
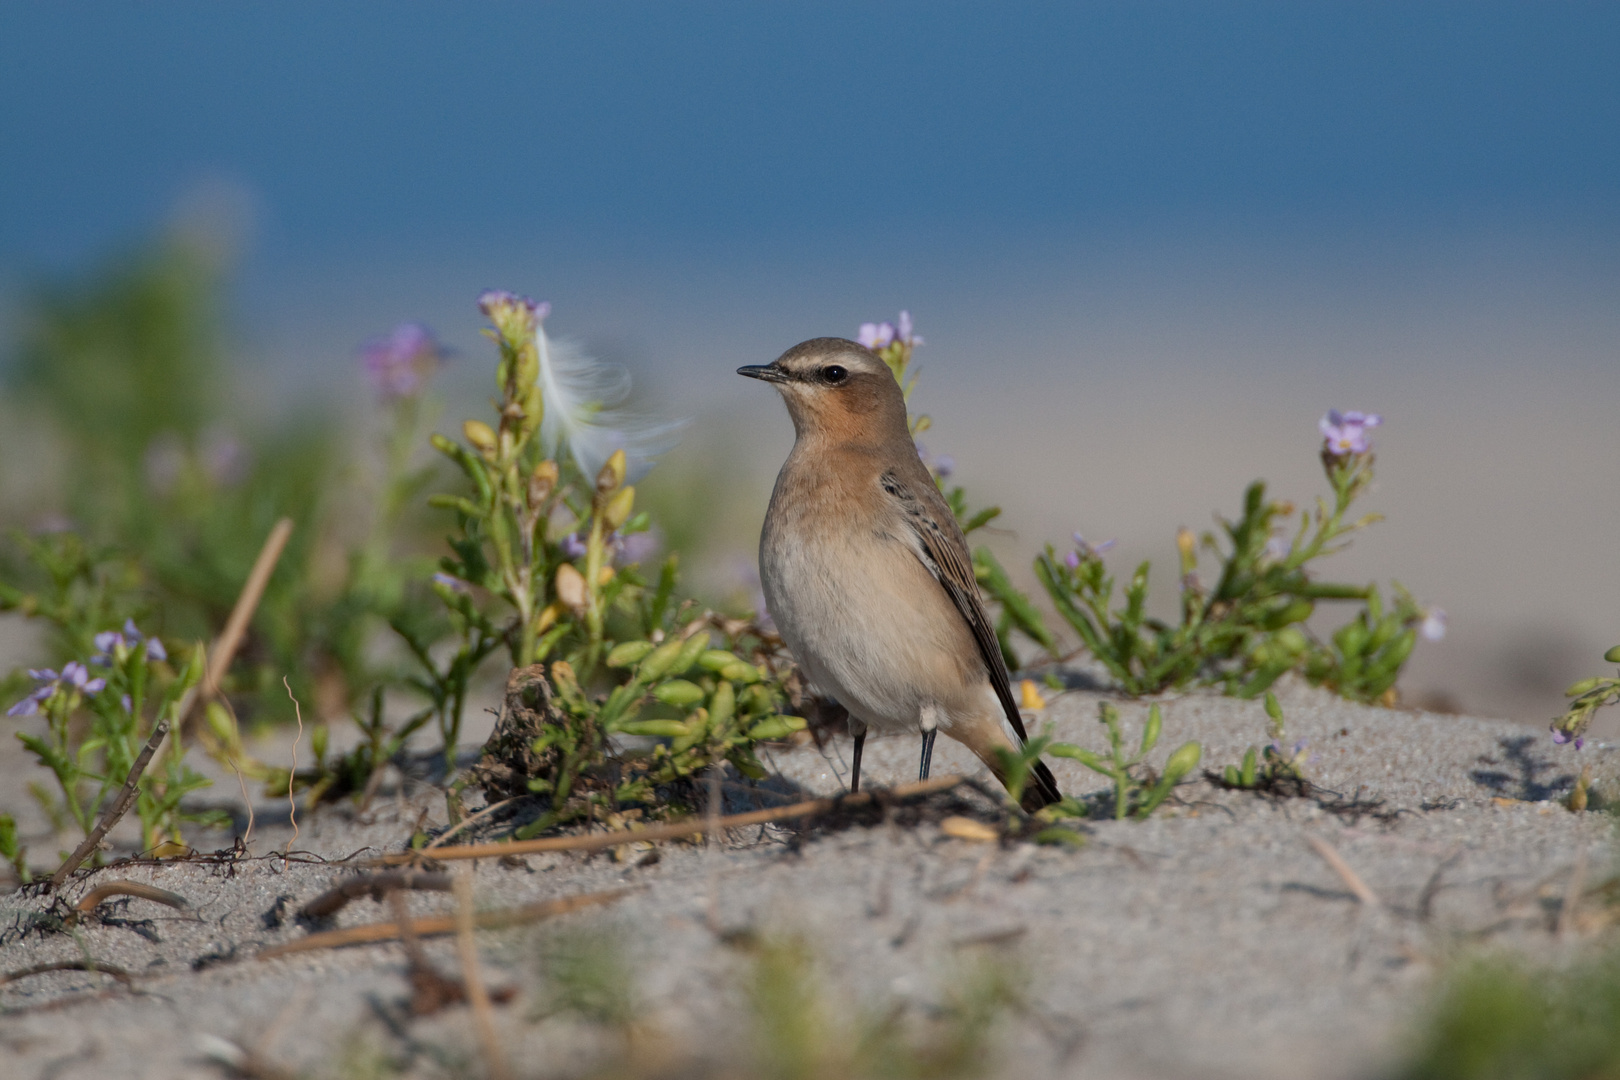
column 1148, row 244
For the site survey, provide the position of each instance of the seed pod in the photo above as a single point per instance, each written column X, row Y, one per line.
column 1183, row 761
column 628, row 652
column 1585, row 685
column 775, row 727
column 541, row 482
column 723, row 705
column 618, row 508
column 691, row 649
column 480, row 434
column 571, row 586
column 659, row 661
column 612, row 474
column 715, row 659
column 1613, row 655
column 220, row 722
column 1273, row 709
column 679, row 692
column 741, row 672
column 663, row 729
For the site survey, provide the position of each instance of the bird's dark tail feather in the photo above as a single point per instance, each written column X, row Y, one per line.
column 1040, row 789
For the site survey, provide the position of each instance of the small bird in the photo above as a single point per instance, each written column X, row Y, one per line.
column 866, row 572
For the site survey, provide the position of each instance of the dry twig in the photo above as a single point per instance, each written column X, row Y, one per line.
column 439, row 840
column 674, row 830
column 130, row 888
column 441, row 924
column 70, row 965
column 120, row 806
column 473, row 979
column 230, row 638
column 1351, row 879
column 333, row 900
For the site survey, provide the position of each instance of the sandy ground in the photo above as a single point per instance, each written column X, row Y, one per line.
column 1210, row 941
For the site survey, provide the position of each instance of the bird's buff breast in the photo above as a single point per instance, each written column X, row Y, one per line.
column 862, row 615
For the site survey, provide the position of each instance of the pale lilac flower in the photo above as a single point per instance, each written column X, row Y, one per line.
column 876, row 336
column 105, row 643
column 636, row 548
column 399, row 364
column 129, row 705
column 155, row 649
column 904, row 331
column 573, row 546
column 498, row 303
column 941, row 466
column 1277, row 549
column 225, row 459
column 1346, row 433
column 1072, row 560
column 74, row 676
column 1088, row 549
column 1433, row 626
column 451, row 582
column 1560, row 736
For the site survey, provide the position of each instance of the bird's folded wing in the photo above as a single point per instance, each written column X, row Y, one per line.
column 943, row 550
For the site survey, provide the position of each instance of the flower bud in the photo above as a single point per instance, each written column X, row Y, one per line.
column 1613, row 655
column 663, row 729
column 1187, row 545
column 776, row 727
column 723, row 706
column 679, row 692
column 1577, row 689
column 629, row 652
column 542, row 482
column 1183, row 761
column 659, row 660
column 612, row 474
column 715, row 659
column 617, row 510
column 480, row 434
column 604, row 576
column 571, row 587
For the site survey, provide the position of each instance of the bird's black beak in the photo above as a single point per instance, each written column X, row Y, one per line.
column 767, row 372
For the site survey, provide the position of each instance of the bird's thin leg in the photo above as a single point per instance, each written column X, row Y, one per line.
column 855, row 765
column 928, row 753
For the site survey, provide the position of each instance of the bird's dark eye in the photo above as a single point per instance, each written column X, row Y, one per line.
column 834, row 373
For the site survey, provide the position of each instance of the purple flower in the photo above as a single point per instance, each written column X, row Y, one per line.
column 1433, row 626
column 905, row 333
column 155, row 649
column 876, row 336
column 636, row 548
column 1089, row 549
column 453, row 583
column 1560, row 736
column 1346, row 433
column 941, row 466
column 1277, row 549
column 105, row 643
column 75, row 676
column 573, row 546
column 517, row 318
column 399, row 364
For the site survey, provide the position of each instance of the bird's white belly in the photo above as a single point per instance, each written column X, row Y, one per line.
column 868, row 624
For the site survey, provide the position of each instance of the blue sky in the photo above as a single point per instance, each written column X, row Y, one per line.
column 1149, row 243
column 434, row 126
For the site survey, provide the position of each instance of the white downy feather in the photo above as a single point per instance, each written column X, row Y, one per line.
column 583, row 398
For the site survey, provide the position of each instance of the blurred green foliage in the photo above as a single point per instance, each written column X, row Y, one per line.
column 1499, row 1019
column 128, row 369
